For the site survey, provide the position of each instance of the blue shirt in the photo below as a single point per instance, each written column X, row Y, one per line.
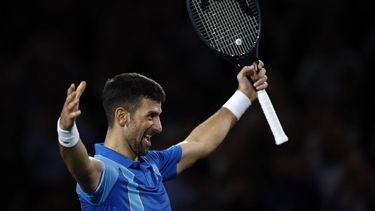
column 130, row 185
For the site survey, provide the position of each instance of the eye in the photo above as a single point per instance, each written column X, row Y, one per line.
column 152, row 115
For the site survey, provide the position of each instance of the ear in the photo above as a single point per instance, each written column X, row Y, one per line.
column 121, row 116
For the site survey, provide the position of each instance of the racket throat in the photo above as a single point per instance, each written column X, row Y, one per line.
column 246, row 60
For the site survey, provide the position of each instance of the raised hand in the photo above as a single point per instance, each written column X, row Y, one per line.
column 71, row 109
column 259, row 79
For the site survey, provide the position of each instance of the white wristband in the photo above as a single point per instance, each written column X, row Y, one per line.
column 67, row 138
column 238, row 104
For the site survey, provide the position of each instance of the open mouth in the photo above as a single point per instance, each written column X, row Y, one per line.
column 147, row 140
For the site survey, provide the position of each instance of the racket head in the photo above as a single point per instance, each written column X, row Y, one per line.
column 231, row 28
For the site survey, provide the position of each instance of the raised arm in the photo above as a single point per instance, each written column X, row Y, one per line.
column 209, row 134
column 85, row 170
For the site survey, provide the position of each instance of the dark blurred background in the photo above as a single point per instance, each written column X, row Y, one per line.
column 319, row 55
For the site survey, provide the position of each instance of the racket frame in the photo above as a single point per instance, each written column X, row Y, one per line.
column 247, row 59
column 241, row 60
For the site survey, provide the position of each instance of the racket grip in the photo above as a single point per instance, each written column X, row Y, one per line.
column 272, row 119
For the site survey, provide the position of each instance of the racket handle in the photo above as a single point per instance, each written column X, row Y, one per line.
column 271, row 117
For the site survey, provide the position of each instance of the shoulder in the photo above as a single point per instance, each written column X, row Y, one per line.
column 109, row 166
column 174, row 151
column 107, row 181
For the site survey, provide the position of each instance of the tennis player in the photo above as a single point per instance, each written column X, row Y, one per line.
column 124, row 174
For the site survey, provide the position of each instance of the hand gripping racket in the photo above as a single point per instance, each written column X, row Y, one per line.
column 232, row 29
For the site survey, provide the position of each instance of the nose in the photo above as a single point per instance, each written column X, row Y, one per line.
column 157, row 125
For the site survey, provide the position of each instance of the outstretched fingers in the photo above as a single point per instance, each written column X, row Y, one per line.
column 74, row 114
column 80, row 89
column 73, row 96
column 73, row 103
column 70, row 97
column 71, row 88
column 71, row 109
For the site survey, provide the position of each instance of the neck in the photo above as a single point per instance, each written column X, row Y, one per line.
column 115, row 141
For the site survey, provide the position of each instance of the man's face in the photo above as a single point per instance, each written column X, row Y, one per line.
column 144, row 123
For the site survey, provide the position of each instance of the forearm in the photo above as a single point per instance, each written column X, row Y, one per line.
column 76, row 159
column 212, row 132
column 72, row 149
column 85, row 170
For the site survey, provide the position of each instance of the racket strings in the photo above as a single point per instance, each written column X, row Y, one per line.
column 202, row 21
column 232, row 30
column 238, row 20
column 237, row 33
column 215, row 15
column 225, row 26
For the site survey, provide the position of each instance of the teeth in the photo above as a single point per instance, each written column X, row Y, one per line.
column 148, row 137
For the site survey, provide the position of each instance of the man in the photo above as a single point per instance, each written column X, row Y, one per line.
column 124, row 174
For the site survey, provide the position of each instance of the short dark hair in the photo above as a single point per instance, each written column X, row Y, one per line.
column 127, row 90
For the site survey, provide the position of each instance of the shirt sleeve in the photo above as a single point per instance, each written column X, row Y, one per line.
column 166, row 160
column 107, row 181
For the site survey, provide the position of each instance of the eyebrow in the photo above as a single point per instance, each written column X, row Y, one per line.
column 153, row 113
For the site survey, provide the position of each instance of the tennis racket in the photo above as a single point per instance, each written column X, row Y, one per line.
column 232, row 29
